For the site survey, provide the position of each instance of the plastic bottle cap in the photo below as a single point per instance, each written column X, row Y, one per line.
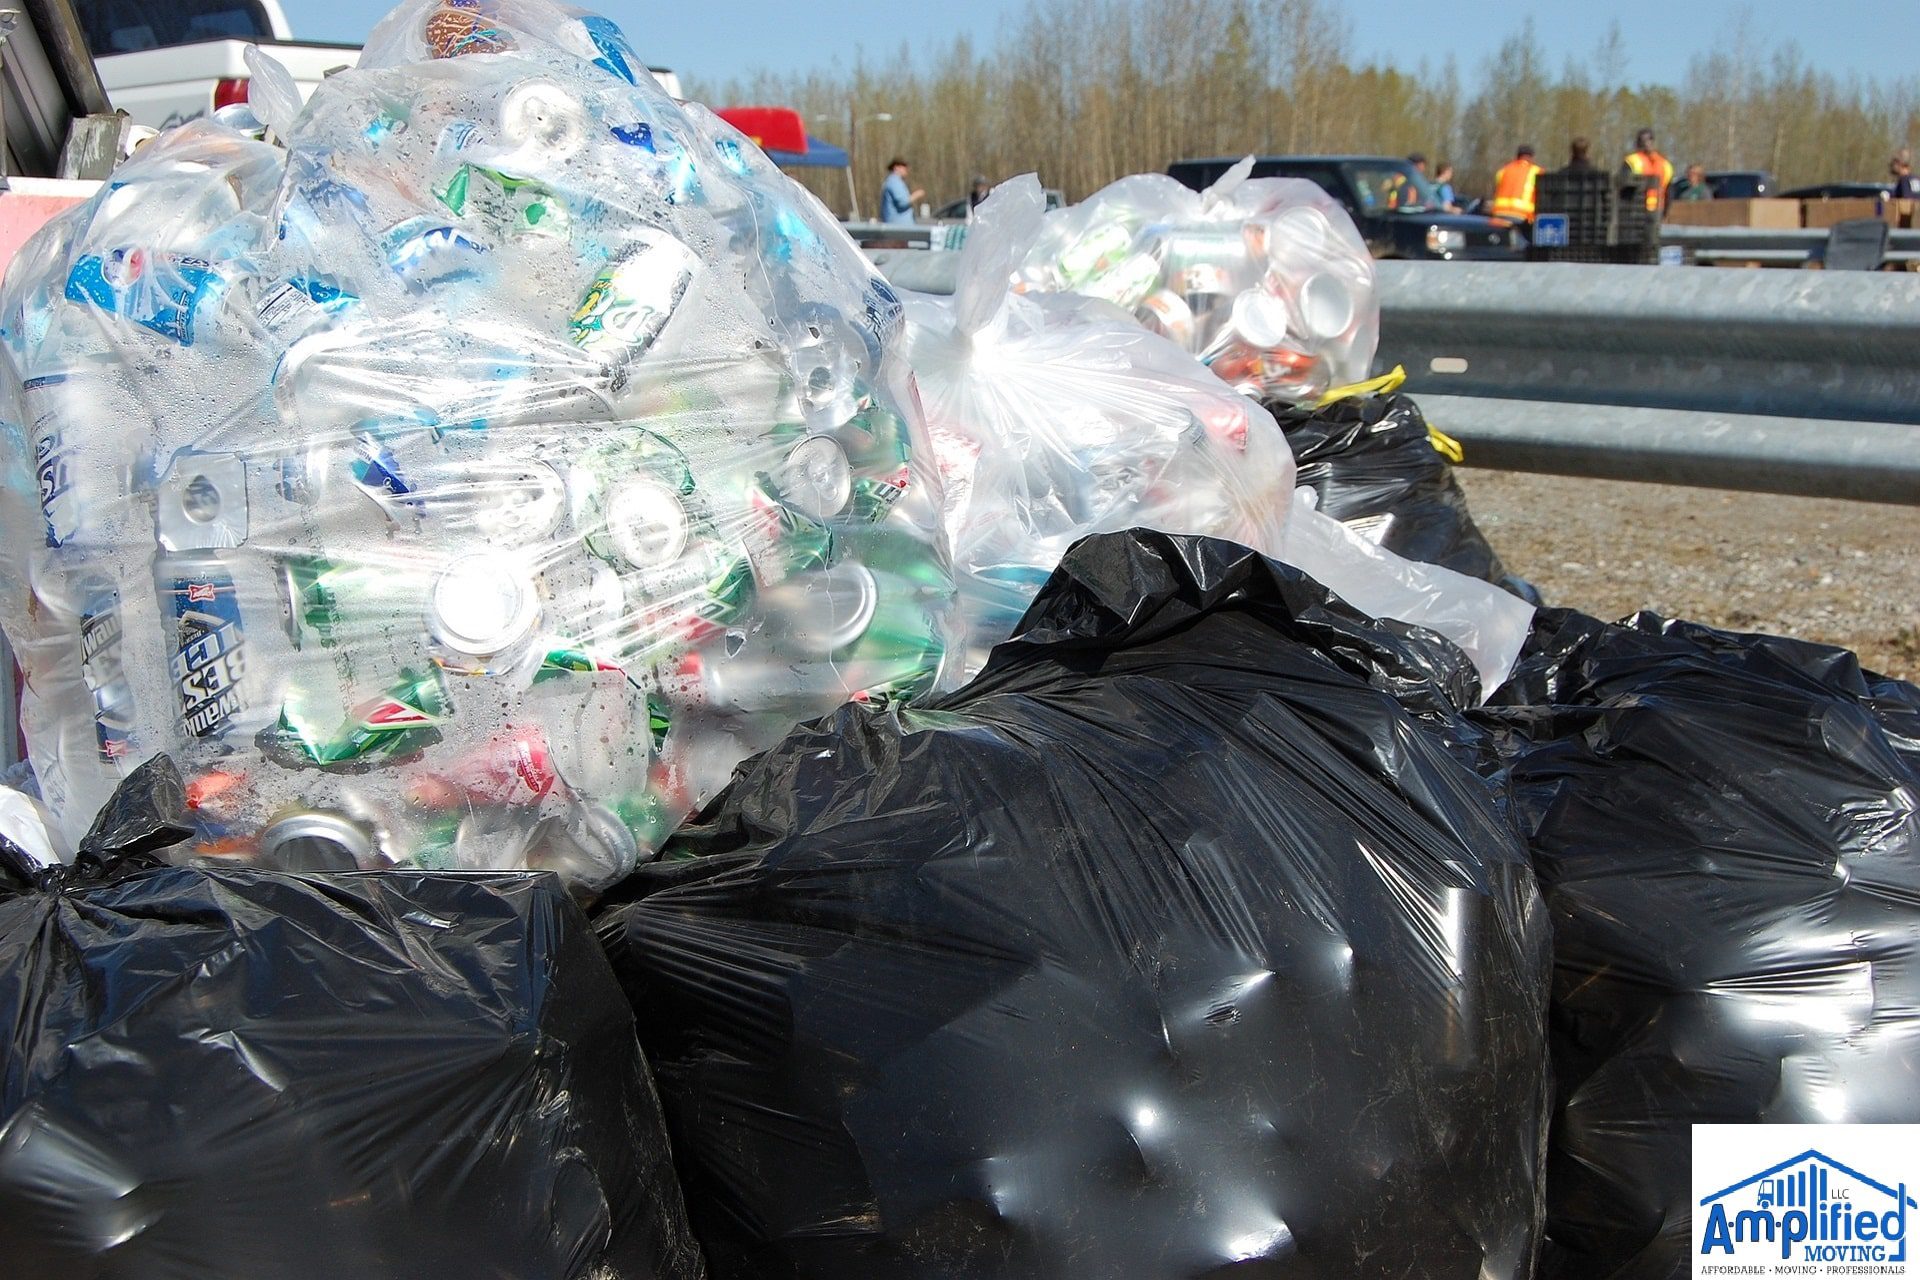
column 480, row 606
column 646, row 523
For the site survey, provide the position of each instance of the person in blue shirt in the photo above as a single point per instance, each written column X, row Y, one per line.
column 896, row 202
column 1902, row 184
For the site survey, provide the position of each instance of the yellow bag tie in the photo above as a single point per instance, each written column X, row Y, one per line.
column 1379, row 386
column 1445, row 445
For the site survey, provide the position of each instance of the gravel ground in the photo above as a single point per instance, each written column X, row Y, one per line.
column 1845, row 573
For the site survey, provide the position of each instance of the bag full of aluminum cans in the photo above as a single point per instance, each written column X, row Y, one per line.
column 1055, row 417
column 1266, row 280
column 464, row 470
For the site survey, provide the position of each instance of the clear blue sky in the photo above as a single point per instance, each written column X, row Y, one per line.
column 720, row 39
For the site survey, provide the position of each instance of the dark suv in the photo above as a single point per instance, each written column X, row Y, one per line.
column 1393, row 206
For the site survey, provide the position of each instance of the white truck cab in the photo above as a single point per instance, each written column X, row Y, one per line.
column 165, row 62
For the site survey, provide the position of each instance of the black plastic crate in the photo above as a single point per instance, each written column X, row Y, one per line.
column 1586, row 200
column 1603, row 210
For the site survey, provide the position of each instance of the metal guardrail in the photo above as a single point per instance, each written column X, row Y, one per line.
column 920, row 235
column 1803, row 382
column 1786, row 245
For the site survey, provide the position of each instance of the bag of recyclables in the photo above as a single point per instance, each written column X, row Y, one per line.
column 1727, row 833
column 470, row 480
column 221, row 1072
column 1265, row 280
column 1055, row 417
column 1183, row 943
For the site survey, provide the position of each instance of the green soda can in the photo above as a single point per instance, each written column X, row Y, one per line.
column 1128, row 283
column 322, row 600
column 403, row 719
column 631, row 495
column 1099, row 250
column 646, row 815
column 902, row 653
column 633, row 297
column 852, row 474
column 856, row 631
column 434, row 846
column 510, row 204
column 563, row 659
column 780, row 541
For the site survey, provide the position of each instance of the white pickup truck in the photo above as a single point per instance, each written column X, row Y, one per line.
column 165, row 62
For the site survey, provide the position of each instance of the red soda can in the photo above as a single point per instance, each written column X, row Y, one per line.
column 512, row 768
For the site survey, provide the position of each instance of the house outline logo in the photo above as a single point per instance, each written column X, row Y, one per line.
column 1829, row 1210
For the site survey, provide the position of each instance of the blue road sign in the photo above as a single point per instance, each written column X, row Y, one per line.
column 1550, row 231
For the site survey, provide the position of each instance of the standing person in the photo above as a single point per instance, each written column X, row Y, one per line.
column 1513, row 185
column 1580, row 158
column 1694, row 185
column 896, row 201
column 1900, row 169
column 1443, row 188
column 1646, row 162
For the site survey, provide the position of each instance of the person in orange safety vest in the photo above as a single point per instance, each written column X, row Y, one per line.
column 1513, row 186
column 1645, row 162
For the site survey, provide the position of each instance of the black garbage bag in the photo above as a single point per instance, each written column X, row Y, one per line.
column 1171, row 947
column 1725, row 828
column 1371, row 463
column 215, row 1074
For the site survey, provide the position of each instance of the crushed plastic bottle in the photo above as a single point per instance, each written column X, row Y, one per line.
column 470, row 482
column 1265, row 280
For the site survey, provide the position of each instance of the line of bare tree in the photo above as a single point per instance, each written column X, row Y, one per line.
column 1086, row 91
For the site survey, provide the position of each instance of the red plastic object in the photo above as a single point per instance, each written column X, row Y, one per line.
column 771, row 128
column 227, row 92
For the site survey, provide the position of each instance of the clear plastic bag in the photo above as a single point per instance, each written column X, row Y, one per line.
column 472, row 483
column 1055, row 417
column 1266, row 280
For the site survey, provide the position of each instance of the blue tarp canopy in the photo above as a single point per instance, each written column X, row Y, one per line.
column 818, row 155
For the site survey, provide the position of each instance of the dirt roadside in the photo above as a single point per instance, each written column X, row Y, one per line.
column 1845, row 573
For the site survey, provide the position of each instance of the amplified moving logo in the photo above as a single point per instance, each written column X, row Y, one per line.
column 1837, row 1208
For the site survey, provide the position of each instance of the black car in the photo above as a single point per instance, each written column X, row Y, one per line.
column 1394, row 207
column 1738, row 184
column 1840, row 191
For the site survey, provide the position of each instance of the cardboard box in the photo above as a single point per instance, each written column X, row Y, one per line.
column 1765, row 212
column 1824, row 213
